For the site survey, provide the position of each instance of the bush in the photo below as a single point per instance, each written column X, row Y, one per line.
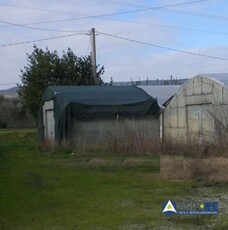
column 13, row 115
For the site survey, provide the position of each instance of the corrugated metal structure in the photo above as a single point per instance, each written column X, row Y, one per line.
column 161, row 92
column 199, row 110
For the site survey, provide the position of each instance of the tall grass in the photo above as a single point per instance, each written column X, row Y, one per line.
column 138, row 144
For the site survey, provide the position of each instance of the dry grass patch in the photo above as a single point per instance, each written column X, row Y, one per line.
column 110, row 162
column 179, row 167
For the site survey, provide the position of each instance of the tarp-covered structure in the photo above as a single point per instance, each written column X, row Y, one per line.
column 78, row 102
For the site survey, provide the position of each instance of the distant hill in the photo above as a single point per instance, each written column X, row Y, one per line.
column 11, row 92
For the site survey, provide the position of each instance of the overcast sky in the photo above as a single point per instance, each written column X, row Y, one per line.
column 135, row 38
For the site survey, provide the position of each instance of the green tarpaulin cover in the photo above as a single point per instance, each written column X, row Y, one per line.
column 76, row 102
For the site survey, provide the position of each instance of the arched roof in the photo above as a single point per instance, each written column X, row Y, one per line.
column 222, row 78
column 161, row 92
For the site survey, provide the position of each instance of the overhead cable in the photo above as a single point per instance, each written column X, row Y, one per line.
column 126, row 12
column 122, row 20
column 37, row 28
column 164, row 47
column 38, row 9
column 27, row 25
column 172, row 27
column 40, row 40
column 221, row 17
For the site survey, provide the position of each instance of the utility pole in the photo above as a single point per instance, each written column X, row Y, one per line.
column 94, row 65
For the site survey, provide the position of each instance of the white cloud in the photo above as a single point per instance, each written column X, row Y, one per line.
column 123, row 60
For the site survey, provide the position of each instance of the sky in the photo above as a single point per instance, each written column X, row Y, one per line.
column 135, row 39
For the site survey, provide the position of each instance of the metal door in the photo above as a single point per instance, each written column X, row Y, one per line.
column 50, row 124
column 200, row 125
column 194, row 121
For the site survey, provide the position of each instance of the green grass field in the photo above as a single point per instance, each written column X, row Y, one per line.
column 61, row 190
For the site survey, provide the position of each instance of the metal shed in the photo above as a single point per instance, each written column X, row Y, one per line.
column 93, row 114
column 199, row 110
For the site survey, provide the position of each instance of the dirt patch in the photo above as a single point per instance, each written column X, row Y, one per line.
column 179, row 167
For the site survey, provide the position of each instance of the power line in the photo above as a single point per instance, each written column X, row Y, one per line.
column 37, row 28
column 40, row 40
column 128, row 21
column 122, row 20
column 38, row 9
column 164, row 47
column 122, row 3
column 173, row 27
column 170, row 10
column 220, row 17
column 126, row 12
column 112, row 14
column 152, row 8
